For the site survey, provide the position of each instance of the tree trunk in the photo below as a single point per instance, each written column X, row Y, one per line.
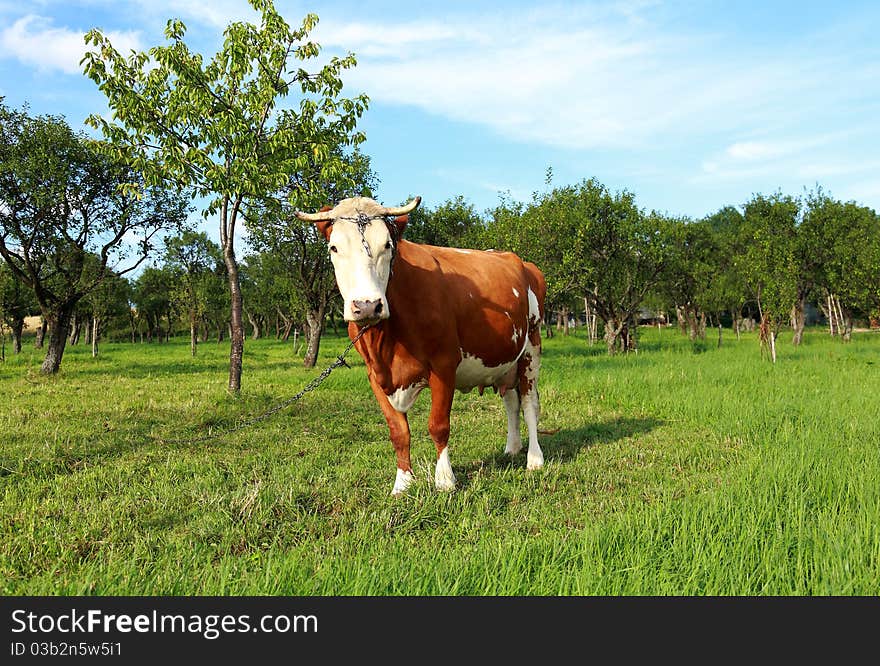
column 799, row 320
column 193, row 338
column 17, row 331
column 95, row 326
column 41, row 333
column 288, row 325
column 612, row 333
column 59, row 324
column 255, row 334
column 314, row 319
column 74, row 329
column 565, row 314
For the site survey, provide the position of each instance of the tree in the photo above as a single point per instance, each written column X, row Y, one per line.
column 454, row 223
column 193, row 259
column 16, row 303
column 216, row 126
column 108, row 300
column 297, row 245
column 62, row 203
column 151, row 295
column 688, row 274
column 771, row 260
column 852, row 271
column 727, row 291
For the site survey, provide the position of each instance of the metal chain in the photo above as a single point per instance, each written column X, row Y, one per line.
column 311, row 386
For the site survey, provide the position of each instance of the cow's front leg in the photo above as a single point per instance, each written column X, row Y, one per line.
column 398, row 429
column 442, row 391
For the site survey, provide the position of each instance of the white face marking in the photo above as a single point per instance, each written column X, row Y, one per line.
column 472, row 372
column 359, row 276
column 402, row 482
column 515, row 292
column 444, row 479
column 403, row 398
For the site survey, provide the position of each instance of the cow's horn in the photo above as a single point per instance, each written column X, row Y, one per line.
column 403, row 210
column 320, row 216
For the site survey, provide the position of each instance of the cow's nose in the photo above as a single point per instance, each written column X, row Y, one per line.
column 366, row 309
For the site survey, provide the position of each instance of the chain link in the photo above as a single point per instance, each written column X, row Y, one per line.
column 311, row 386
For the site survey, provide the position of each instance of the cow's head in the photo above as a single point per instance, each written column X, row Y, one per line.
column 362, row 236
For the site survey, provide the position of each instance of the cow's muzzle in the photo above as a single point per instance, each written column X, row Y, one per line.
column 367, row 311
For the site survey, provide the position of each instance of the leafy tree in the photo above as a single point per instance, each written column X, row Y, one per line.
column 771, row 260
column 216, row 126
column 63, row 203
column 108, row 300
column 193, row 260
column 152, row 297
column 852, row 274
column 454, row 223
column 727, row 290
column 689, row 272
column 299, row 250
column 17, row 302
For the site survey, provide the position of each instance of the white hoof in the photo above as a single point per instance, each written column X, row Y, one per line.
column 444, row 479
column 513, row 447
column 535, row 460
column 402, row 482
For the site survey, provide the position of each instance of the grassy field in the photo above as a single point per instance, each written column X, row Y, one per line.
column 680, row 470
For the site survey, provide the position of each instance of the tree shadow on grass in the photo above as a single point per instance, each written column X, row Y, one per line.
column 566, row 444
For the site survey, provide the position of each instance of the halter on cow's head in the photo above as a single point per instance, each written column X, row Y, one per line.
column 363, row 236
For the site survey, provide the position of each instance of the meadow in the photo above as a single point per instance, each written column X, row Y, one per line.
column 684, row 469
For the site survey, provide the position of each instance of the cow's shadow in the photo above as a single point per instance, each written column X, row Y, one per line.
column 565, row 445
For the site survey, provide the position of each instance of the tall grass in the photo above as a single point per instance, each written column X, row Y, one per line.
column 681, row 470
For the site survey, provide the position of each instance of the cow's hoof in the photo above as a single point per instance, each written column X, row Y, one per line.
column 402, row 482
column 535, row 461
column 445, row 485
column 444, row 479
column 513, row 448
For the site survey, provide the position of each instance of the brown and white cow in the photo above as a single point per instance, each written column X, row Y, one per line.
column 440, row 318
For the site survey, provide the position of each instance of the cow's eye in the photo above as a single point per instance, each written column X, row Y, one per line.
column 388, row 245
column 333, row 248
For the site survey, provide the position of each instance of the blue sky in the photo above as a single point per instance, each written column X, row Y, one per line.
column 691, row 105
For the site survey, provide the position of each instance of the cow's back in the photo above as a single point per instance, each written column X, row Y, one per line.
column 482, row 297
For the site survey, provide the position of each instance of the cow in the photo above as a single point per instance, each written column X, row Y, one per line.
column 438, row 318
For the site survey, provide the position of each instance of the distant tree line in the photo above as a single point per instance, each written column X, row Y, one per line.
column 96, row 237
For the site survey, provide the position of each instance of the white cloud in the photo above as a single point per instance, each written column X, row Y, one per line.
column 35, row 42
column 617, row 76
column 215, row 13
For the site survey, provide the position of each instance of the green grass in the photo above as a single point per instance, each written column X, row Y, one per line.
column 681, row 470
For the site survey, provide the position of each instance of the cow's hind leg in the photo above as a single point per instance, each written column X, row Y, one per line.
column 511, row 404
column 531, row 406
column 438, row 426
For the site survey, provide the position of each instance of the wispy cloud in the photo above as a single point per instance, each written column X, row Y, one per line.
column 35, row 42
column 584, row 79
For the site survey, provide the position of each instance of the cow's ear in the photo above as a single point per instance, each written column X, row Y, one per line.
column 401, row 221
column 325, row 226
